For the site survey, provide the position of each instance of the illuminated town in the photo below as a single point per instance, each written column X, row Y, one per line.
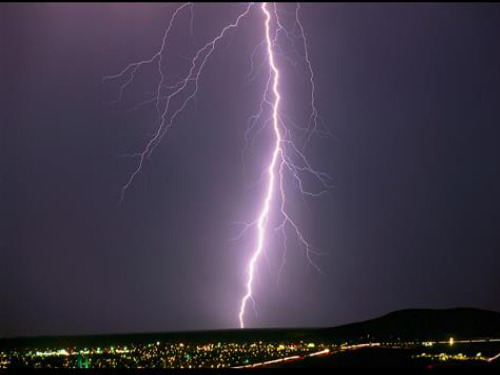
column 162, row 355
column 236, row 355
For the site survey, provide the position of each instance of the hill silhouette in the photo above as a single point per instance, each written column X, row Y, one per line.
column 412, row 324
column 423, row 324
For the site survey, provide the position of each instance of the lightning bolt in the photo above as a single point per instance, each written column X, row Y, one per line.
column 171, row 98
column 264, row 215
column 281, row 158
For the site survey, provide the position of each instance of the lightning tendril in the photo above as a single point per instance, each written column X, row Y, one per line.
column 286, row 158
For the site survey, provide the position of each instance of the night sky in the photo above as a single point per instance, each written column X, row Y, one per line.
column 410, row 91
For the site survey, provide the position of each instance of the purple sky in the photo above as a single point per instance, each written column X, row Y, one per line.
column 410, row 92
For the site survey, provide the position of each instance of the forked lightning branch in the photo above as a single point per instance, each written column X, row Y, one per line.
column 286, row 158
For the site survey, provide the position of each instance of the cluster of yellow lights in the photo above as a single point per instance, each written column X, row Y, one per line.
column 446, row 357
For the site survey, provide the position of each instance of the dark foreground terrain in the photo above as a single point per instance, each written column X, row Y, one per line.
column 388, row 358
column 465, row 338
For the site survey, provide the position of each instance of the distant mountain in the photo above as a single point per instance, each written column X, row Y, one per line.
column 423, row 324
column 413, row 324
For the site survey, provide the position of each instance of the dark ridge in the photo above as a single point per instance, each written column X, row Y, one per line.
column 413, row 324
column 422, row 324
